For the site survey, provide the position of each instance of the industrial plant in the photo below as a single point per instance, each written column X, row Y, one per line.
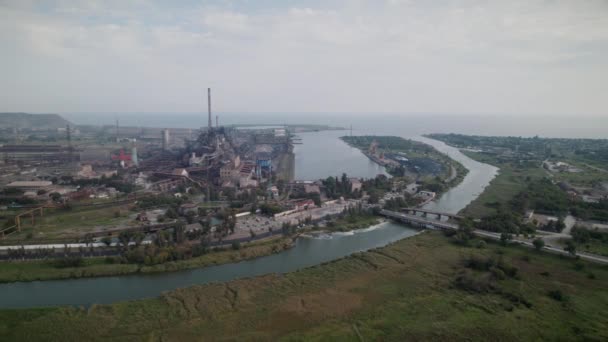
column 212, row 158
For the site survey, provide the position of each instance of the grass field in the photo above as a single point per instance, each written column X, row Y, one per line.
column 96, row 267
column 508, row 183
column 70, row 224
column 403, row 292
column 587, row 178
column 594, row 246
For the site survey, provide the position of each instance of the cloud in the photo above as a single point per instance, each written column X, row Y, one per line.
column 393, row 56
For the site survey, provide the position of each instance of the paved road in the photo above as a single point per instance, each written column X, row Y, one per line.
column 595, row 168
column 584, row 256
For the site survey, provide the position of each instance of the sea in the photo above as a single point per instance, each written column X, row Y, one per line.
column 403, row 124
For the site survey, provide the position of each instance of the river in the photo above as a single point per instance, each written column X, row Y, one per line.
column 322, row 154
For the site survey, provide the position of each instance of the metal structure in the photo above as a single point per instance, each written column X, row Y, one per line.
column 263, row 162
column 17, row 226
column 38, row 154
column 419, row 221
column 438, row 214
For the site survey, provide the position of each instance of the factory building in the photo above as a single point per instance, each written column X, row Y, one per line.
column 30, row 185
column 38, row 154
column 263, row 164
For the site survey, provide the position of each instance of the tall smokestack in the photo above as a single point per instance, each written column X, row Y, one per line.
column 209, row 107
column 217, row 121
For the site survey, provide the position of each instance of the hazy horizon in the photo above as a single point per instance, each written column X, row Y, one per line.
column 368, row 123
column 524, row 58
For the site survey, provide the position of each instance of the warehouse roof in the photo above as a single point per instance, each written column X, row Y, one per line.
column 29, row 184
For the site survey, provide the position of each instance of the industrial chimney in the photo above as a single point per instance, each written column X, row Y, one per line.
column 209, row 107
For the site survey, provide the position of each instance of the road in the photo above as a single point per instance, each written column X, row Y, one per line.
column 595, row 168
column 551, row 249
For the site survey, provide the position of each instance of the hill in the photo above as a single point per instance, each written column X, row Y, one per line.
column 38, row 121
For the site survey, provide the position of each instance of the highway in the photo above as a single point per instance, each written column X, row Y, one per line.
column 550, row 249
column 427, row 223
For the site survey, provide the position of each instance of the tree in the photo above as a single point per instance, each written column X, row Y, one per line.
column 107, row 240
column 138, row 238
column 125, row 237
column 560, row 225
column 538, row 244
column 190, row 215
column 505, row 238
column 162, row 238
column 465, row 232
column 570, row 247
column 179, row 233
column 55, row 196
column 88, row 238
column 580, row 235
column 171, row 213
column 373, row 197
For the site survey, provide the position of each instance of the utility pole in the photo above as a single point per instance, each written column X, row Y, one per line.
column 208, row 184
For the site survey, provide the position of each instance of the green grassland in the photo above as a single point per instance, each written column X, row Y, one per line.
column 406, row 291
column 587, row 178
column 58, row 224
column 588, row 155
column 96, row 267
column 509, row 182
column 593, row 246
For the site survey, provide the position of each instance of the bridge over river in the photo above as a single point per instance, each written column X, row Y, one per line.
column 420, row 221
column 426, row 212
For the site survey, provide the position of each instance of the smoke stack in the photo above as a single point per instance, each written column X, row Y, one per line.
column 217, row 121
column 69, row 136
column 209, row 107
column 165, row 138
column 134, row 158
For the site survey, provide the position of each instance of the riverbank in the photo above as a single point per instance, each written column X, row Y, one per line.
column 509, row 182
column 353, row 223
column 39, row 270
column 416, row 160
column 35, row 270
column 414, row 289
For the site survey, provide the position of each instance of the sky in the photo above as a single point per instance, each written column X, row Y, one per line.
column 396, row 56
